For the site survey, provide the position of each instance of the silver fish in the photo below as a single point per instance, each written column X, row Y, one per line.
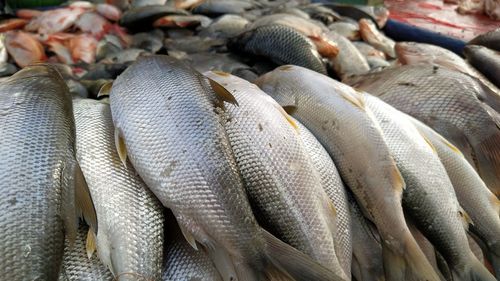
column 225, row 26
column 283, row 186
column 428, row 198
column 349, row 60
column 370, row 34
column 39, row 170
column 336, row 115
column 174, row 136
column 130, row 218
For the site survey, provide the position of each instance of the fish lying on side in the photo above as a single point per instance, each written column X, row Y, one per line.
column 225, row 26
column 284, row 189
column 336, row 115
column 370, row 34
column 196, row 167
column 485, row 60
column 130, row 218
column 349, row 61
column 429, row 198
column 450, row 103
column 489, row 39
column 281, row 44
column 41, row 181
column 477, row 200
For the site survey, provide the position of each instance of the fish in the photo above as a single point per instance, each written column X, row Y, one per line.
column 348, row 29
column 379, row 13
column 492, row 9
column 194, row 44
column 474, row 196
column 145, row 3
column 41, row 178
column 224, row 224
column 367, row 263
column 182, row 262
column 283, row 187
column 76, row 265
column 224, row 62
column 449, row 102
column 490, row 39
column 104, row 71
column 27, row 14
column 150, row 41
column 53, row 21
column 368, row 51
column 124, row 56
column 225, row 26
column 429, row 198
column 186, row 4
column 321, row 13
column 182, row 21
column 376, row 63
column 336, row 115
column 60, row 49
column 218, row 7
column 11, row 24
column 311, row 29
column 108, row 45
column 377, row 39
column 93, row 87
column 24, row 48
column 108, row 11
column 83, row 48
column 281, row 44
column 349, row 60
column 76, row 88
column 7, row 69
column 424, row 244
column 470, row 7
column 336, row 191
column 94, row 24
column 485, row 60
column 130, row 218
column 142, row 18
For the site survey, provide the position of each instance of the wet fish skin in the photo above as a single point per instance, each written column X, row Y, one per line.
column 218, row 7
column 281, row 44
column 429, row 93
column 194, row 44
column 31, row 52
column 142, row 18
column 485, row 60
column 225, row 62
column 37, row 168
column 225, row 26
column 150, row 41
column 477, row 200
column 335, row 189
column 7, row 69
column 368, row 51
column 349, row 61
column 224, row 224
column 283, row 186
column 314, row 98
column 489, row 39
column 182, row 262
column 429, row 198
column 370, row 34
column 347, row 29
column 76, row 266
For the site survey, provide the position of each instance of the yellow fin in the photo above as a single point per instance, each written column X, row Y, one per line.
column 285, row 67
column 451, row 146
column 120, row 147
column 189, row 237
column 465, row 217
column 221, row 73
column 429, row 143
column 495, row 203
column 105, row 89
column 288, row 117
column 397, row 178
column 83, row 200
column 90, row 244
column 222, row 93
column 357, row 99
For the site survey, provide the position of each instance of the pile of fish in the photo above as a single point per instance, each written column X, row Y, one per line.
column 244, row 140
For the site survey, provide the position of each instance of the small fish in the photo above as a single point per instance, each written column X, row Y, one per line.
column 109, row 11
column 53, row 21
column 194, row 44
column 368, row 51
column 107, row 46
column 24, row 48
column 124, row 56
column 27, row 14
column 145, row 3
column 370, row 34
column 150, row 41
column 349, row 61
column 187, row 4
column 61, row 50
column 281, row 44
column 182, row 21
column 321, row 13
column 485, row 60
column 142, row 18
column 83, row 48
column 11, row 24
column 348, row 29
column 492, row 9
column 470, row 6
column 489, row 39
column 218, row 7
column 7, row 69
column 94, row 24
column 225, row 26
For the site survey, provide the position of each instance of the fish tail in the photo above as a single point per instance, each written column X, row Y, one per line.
column 281, row 261
column 487, row 154
column 407, row 264
column 475, row 271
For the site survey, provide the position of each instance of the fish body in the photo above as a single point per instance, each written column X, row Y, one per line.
column 142, row 18
column 485, row 60
column 194, row 44
column 93, row 23
column 429, row 198
column 281, row 44
column 450, row 103
column 54, row 21
column 182, row 21
column 196, row 167
column 347, row 29
column 284, row 188
column 370, row 34
column 335, row 189
column 150, row 41
column 336, row 115
column 11, row 24
column 83, row 48
column 225, row 26
column 349, row 60
column 218, row 7
column 368, row 51
column 489, row 39
column 24, row 48
column 108, row 11
column 130, row 218
column 76, row 265
column 37, row 167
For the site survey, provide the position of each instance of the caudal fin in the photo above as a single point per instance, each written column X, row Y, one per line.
column 475, row 271
column 407, row 264
column 281, row 259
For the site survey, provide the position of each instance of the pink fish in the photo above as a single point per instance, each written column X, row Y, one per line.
column 83, row 48
column 55, row 20
column 109, row 11
column 93, row 23
column 11, row 24
column 24, row 48
column 27, row 13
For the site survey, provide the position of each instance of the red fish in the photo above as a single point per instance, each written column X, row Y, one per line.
column 83, row 48
column 24, row 48
column 27, row 13
column 55, row 20
column 11, row 24
column 109, row 11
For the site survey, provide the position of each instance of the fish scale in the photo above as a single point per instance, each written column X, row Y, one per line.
column 130, row 218
column 37, row 160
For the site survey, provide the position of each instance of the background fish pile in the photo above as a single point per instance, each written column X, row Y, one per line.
column 213, row 140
